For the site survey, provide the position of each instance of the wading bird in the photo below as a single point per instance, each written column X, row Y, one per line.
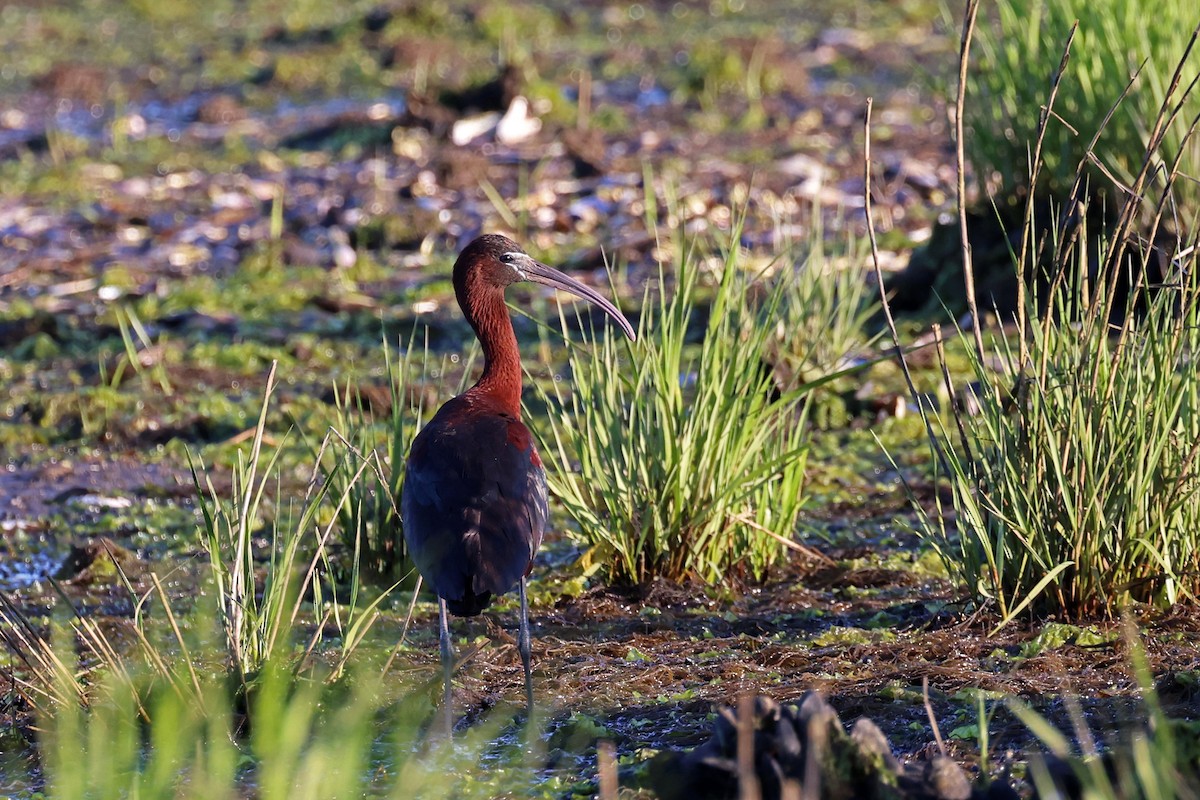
column 474, row 504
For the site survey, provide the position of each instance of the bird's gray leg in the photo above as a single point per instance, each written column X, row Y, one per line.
column 447, row 666
column 524, row 646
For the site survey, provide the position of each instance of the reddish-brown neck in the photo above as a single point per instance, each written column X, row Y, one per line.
column 483, row 306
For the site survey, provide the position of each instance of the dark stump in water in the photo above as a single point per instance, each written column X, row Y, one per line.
column 807, row 745
column 934, row 275
column 99, row 560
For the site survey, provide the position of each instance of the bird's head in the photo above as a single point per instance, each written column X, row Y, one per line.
column 493, row 262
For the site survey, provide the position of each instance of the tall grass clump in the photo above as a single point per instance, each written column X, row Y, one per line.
column 263, row 595
column 825, row 309
column 305, row 738
column 1018, row 47
column 256, row 621
column 1076, row 486
column 272, row 604
column 688, row 462
column 138, row 738
column 369, row 520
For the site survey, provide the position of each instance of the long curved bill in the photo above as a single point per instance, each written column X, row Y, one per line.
column 538, row 272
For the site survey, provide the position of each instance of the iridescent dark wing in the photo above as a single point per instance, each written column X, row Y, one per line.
column 474, row 504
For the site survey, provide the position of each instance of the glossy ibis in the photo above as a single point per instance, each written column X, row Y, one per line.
column 474, row 503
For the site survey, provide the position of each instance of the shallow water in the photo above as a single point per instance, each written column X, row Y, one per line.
column 25, row 559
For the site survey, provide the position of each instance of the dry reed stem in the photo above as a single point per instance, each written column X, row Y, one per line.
column 748, row 788
column 1035, row 167
column 887, row 307
column 960, row 166
column 606, row 770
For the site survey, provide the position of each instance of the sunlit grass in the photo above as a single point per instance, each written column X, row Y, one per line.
column 1157, row 757
column 1019, row 47
column 1075, row 486
column 367, row 465
column 825, row 311
column 260, row 624
column 680, row 463
column 291, row 737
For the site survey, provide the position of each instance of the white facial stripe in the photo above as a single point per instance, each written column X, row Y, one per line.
column 516, row 259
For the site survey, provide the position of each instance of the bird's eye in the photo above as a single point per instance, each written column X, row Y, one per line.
column 508, row 258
